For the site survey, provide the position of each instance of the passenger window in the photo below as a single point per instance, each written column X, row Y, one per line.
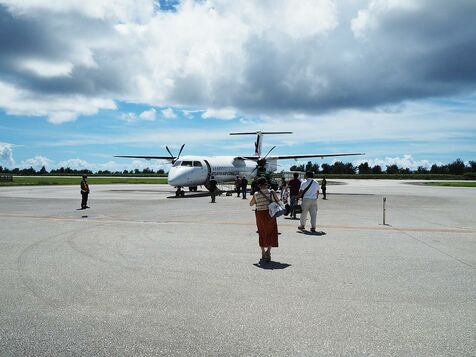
column 197, row 164
column 187, row 163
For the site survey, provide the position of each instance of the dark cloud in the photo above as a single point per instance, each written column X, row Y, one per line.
column 410, row 53
column 59, row 38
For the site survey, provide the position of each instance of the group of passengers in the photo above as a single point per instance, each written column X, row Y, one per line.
column 241, row 186
column 263, row 195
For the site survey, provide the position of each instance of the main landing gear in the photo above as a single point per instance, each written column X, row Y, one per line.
column 179, row 192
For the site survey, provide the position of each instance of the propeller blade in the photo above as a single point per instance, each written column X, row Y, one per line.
column 169, row 151
column 265, row 156
column 180, row 151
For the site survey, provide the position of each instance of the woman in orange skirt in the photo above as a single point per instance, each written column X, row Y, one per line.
column 267, row 225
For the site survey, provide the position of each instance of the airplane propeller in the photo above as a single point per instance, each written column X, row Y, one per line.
column 173, row 157
column 261, row 162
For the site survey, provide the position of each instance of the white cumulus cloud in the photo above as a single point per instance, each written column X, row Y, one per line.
column 407, row 161
column 223, row 113
column 38, row 162
column 168, row 113
column 148, row 115
column 6, row 155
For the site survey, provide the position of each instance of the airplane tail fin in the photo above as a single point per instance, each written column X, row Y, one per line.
column 259, row 135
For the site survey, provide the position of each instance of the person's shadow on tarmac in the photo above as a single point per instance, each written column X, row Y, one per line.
column 271, row 265
column 309, row 233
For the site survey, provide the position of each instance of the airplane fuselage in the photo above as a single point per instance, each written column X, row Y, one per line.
column 191, row 171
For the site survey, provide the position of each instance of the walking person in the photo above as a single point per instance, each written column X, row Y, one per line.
column 237, row 185
column 323, row 188
column 84, row 192
column 308, row 192
column 267, row 225
column 294, row 186
column 213, row 188
column 244, row 186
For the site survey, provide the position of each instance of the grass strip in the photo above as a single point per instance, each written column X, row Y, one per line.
column 46, row 181
column 453, row 184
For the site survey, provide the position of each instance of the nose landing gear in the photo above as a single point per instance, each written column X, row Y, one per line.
column 179, row 192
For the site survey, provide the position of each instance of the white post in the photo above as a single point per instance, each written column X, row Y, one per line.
column 384, row 201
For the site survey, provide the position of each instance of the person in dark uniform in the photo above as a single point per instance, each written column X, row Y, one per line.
column 323, row 188
column 238, row 185
column 244, row 186
column 84, row 192
column 213, row 188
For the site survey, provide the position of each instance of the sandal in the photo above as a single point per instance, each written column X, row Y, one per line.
column 313, row 230
column 301, row 228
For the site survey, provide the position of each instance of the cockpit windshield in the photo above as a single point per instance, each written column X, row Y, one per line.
column 187, row 163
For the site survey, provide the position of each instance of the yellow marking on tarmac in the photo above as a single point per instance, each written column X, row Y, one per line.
column 326, row 226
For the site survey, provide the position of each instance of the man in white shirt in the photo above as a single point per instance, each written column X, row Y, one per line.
column 308, row 192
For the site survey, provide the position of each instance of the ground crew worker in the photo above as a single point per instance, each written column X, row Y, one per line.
column 213, row 188
column 238, row 185
column 323, row 187
column 84, row 192
column 244, row 186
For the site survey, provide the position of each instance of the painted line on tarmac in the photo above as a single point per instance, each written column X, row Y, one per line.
column 328, row 226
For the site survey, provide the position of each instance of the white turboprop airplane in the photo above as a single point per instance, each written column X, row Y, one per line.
column 194, row 171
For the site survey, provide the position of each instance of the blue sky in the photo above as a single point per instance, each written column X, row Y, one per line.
column 82, row 81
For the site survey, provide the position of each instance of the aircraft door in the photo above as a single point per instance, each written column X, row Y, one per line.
column 209, row 173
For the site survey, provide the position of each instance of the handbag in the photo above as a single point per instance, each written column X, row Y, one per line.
column 275, row 209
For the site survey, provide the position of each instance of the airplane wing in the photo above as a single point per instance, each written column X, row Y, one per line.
column 253, row 157
column 286, row 157
column 169, row 158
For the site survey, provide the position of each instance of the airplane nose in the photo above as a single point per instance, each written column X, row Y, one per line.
column 177, row 178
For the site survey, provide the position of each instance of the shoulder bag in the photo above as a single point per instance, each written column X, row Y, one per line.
column 276, row 209
column 305, row 190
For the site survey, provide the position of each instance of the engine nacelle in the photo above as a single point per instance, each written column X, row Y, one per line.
column 271, row 165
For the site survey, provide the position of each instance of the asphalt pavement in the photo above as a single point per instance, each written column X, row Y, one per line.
column 144, row 273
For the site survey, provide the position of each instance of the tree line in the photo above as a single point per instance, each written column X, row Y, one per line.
column 69, row 171
column 457, row 168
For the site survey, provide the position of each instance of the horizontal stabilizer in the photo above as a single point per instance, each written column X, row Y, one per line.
column 262, row 132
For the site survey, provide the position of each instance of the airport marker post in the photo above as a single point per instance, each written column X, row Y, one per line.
column 384, row 209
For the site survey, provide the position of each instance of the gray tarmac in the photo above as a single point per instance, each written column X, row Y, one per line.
column 143, row 273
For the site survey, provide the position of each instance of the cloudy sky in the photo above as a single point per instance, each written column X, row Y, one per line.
column 84, row 80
